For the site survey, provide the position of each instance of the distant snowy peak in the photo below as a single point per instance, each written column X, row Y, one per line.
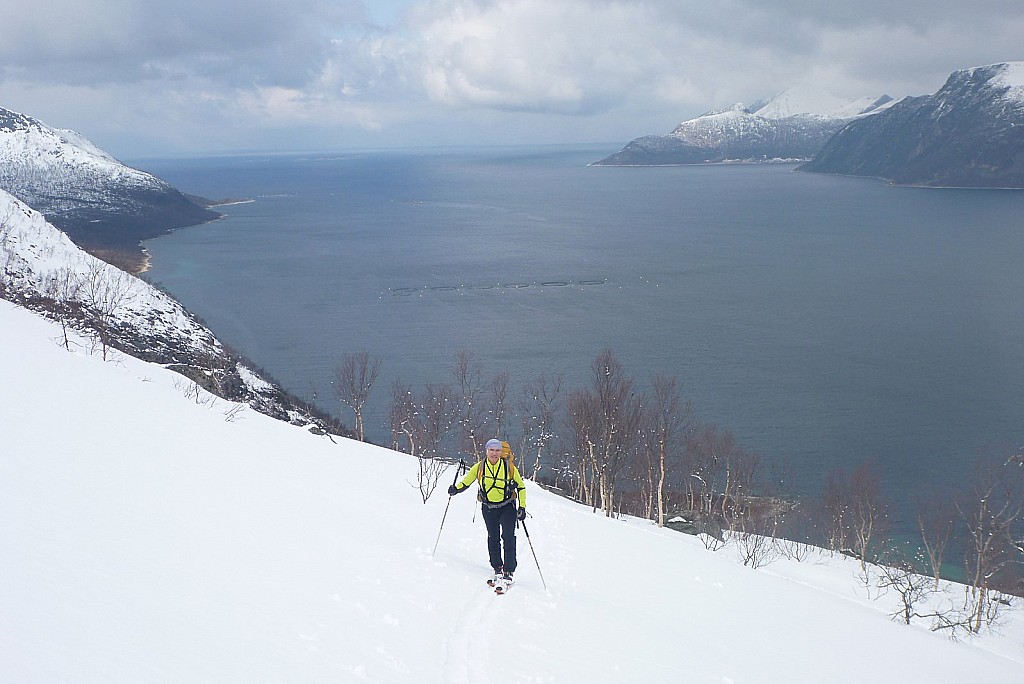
column 1007, row 78
column 793, row 125
column 716, row 129
column 738, row 108
column 799, row 103
column 1011, row 75
column 807, row 102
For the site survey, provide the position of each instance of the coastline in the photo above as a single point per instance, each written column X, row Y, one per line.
column 147, row 259
column 226, row 203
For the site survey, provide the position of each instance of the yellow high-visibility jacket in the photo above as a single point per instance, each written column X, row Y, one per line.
column 500, row 483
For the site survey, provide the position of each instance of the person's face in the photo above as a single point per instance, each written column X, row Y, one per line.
column 493, row 454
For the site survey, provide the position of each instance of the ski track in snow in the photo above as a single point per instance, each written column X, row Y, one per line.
column 461, row 664
column 502, row 621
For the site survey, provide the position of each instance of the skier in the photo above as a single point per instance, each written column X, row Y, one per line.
column 501, row 486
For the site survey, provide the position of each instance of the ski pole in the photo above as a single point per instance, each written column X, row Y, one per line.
column 534, row 556
column 458, row 471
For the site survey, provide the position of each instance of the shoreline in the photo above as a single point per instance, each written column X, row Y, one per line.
column 226, row 203
column 147, row 259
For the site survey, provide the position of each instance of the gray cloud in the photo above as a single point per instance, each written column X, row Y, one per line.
column 130, row 40
column 580, row 53
column 195, row 74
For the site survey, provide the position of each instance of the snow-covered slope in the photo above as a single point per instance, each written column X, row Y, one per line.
column 811, row 102
column 35, row 256
column 146, row 538
column 42, row 268
column 100, row 202
column 1009, row 75
column 792, row 125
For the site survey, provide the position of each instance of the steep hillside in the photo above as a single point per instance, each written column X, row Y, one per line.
column 968, row 134
column 102, row 204
column 147, row 538
column 42, row 269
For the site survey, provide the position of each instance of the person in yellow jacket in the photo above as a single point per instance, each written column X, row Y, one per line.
column 501, row 487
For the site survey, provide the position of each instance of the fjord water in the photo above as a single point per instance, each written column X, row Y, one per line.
column 824, row 320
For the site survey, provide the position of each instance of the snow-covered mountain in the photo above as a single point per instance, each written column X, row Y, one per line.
column 147, row 539
column 792, row 125
column 968, row 134
column 102, row 204
column 816, row 103
column 41, row 268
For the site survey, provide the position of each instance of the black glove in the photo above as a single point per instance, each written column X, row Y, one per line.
column 453, row 490
column 522, row 514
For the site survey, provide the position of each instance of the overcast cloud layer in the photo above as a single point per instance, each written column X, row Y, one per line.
column 194, row 76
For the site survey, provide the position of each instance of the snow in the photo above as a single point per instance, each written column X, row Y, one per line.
column 814, row 102
column 60, row 171
column 33, row 253
column 253, row 380
column 1011, row 76
column 804, row 108
column 29, row 142
column 1008, row 75
column 147, row 538
column 713, row 128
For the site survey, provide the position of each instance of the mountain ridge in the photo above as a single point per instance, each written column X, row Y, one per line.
column 790, row 126
column 969, row 133
column 103, row 205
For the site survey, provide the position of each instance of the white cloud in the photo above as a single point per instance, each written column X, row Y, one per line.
column 568, row 56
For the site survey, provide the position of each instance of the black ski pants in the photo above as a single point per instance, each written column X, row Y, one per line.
column 501, row 527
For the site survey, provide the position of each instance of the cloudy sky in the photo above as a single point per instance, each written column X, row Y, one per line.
column 146, row 78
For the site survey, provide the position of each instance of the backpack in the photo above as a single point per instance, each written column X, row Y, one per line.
column 511, row 488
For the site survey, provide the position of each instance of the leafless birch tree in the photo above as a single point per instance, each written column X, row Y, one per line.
column 421, row 429
column 499, row 403
column 105, row 291
column 538, row 411
column 668, row 418
column 63, row 287
column 354, row 379
column 992, row 511
column 835, row 506
column 619, row 414
column 936, row 520
column 582, row 417
column 869, row 511
column 470, row 410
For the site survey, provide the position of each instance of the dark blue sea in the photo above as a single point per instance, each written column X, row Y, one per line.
column 822, row 319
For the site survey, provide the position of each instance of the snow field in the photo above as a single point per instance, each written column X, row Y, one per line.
column 145, row 538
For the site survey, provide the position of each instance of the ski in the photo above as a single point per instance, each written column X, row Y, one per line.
column 500, row 583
